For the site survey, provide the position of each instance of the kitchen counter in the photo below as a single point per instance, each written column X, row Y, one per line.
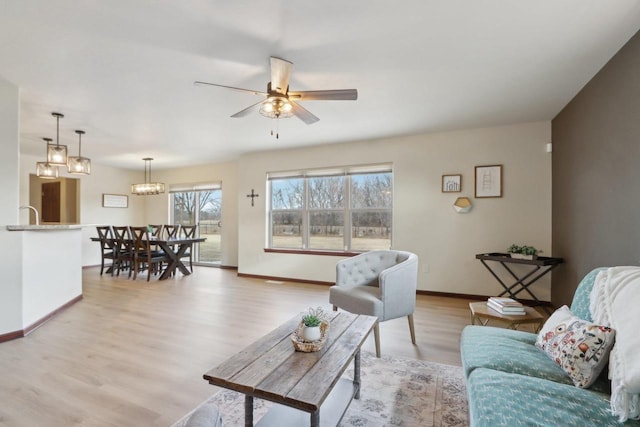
column 51, row 270
column 44, row 227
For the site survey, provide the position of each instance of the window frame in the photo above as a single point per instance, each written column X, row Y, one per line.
column 306, row 211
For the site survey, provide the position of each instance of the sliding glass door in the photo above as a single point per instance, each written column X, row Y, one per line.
column 204, row 208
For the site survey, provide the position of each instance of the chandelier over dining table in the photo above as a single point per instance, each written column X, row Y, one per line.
column 147, row 188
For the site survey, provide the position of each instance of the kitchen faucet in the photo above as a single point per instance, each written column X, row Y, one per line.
column 35, row 211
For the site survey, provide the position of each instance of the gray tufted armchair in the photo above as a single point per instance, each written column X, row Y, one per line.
column 377, row 283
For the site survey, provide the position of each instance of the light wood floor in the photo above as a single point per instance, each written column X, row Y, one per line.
column 133, row 353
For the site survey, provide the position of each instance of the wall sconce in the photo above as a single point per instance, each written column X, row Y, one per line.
column 462, row 205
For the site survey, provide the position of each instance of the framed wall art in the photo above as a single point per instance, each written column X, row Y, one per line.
column 451, row 183
column 488, row 181
column 115, row 201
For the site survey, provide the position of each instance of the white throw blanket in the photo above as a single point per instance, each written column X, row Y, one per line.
column 615, row 302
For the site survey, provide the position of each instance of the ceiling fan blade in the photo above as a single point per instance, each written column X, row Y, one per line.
column 280, row 73
column 248, row 110
column 331, row 95
column 303, row 114
column 255, row 92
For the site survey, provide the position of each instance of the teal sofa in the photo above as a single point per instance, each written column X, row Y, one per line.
column 512, row 383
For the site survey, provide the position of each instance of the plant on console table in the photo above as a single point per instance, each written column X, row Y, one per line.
column 523, row 252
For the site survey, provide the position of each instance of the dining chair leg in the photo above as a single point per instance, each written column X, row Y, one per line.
column 376, row 336
column 412, row 329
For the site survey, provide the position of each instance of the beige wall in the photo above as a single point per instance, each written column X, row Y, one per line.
column 424, row 219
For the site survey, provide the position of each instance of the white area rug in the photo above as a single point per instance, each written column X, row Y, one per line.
column 395, row 392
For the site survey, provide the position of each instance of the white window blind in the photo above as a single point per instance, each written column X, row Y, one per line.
column 201, row 186
column 344, row 170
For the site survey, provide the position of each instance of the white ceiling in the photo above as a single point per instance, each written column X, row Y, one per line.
column 123, row 70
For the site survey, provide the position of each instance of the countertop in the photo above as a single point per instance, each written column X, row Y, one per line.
column 45, row 227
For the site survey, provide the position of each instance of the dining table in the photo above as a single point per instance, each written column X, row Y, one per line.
column 175, row 249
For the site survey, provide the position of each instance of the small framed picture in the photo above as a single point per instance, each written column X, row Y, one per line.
column 451, row 183
column 488, row 181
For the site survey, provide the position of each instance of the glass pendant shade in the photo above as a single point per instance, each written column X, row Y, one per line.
column 46, row 170
column 276, row 107
column 147, row 188
column 57, row 154
column 79, row 165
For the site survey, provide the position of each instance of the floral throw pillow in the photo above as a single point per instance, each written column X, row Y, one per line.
column 579, row 347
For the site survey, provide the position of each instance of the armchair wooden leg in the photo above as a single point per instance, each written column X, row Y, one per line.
column 412, row 329
column 376, row 335
column 335, row 308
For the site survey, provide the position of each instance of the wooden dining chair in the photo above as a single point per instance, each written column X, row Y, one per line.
column 171, row 231
column 107, row 246
column 188, row 232
column 143, row 257
column 123, row 249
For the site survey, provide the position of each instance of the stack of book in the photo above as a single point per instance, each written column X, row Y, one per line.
column 507, row 306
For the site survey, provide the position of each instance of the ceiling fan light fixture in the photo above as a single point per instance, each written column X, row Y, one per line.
column 276, row 107
column 267, row 107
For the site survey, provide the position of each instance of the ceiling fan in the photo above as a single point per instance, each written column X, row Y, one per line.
column 279, row 103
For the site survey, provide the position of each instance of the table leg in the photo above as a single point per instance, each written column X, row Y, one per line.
column 174, row 262
column 315, row 419
column 356, row 373
column 248, row 411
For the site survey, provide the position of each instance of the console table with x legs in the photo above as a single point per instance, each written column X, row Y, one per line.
column 541, row 266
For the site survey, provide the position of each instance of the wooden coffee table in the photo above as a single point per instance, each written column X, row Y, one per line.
column 482, row 314
column 306, row 386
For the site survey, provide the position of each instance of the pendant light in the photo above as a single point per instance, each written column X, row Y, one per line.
column 79, row 165
column 57, row 154
column 148, row 187
column 46, row 170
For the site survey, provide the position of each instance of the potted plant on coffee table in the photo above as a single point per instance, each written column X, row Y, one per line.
column 311, row 330
column 523, row 252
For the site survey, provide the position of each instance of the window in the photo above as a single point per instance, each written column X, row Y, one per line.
column 313, row 209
